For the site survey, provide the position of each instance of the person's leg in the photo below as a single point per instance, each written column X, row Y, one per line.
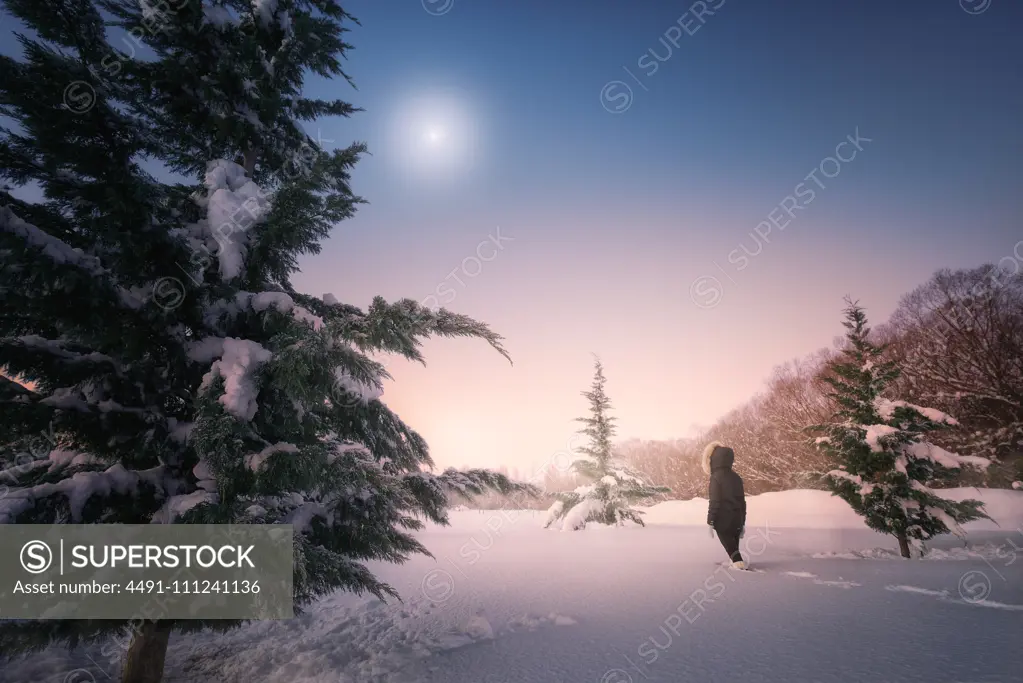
column 734, row 552
column 724, row 535
column 730, row 541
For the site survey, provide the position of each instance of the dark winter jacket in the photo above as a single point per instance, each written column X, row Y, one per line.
column 727, row 509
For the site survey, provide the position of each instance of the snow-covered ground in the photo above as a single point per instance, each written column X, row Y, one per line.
column 505, row 600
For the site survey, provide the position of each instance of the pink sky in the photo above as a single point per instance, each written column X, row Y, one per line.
column 625, row 296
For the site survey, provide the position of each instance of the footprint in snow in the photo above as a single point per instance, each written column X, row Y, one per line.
column 823, row 582
column 915, row 589
column 836, row 584
column 479, row 627
column 531, row 622
column 476, row 630
column 944, row 596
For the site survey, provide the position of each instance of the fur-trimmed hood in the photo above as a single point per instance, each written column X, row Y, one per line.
column 729, row 456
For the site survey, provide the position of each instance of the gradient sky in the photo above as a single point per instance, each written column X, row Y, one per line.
column 613, row 216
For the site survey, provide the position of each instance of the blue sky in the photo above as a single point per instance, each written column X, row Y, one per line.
column 615, row 216
column 742, row 109
column 759, row 89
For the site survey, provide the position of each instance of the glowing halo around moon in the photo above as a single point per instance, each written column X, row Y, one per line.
column 435, row 137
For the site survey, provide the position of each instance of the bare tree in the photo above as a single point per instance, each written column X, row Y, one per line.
column 959, row 338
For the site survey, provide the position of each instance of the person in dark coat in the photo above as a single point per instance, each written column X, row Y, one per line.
column 726, row 513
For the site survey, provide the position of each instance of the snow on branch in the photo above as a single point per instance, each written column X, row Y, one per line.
column 264, row 11
column 56, row 348
column 576, row 517
column 556, row 512
column 950, row 523
column 357, row 450
column 259, row 302
column 627, row 476
column 254, row 461
column 877, row 432
column 886, row 409
column 234, row 203
column 179, row 504
column 56, row 250
column 218, row 16
column 175, row 506
column 364, row 391
column 60, row 253
column 865, row 488
column 81, row 487
column 240, row 359
column 923, row 450
column 88, row 398
column 301, row 518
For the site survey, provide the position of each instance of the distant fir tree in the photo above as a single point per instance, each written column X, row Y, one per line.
column 615, row 485
column 171, row 372
column 884, row 461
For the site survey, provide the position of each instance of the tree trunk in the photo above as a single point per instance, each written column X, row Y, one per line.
column 143, row 663
column 904, row 545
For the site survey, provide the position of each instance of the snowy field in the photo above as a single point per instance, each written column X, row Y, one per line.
column 506, row 601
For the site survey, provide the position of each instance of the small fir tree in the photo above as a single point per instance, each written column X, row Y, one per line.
column 884, row 461
column 615, row 485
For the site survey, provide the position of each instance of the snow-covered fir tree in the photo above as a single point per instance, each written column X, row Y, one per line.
column 614, row 485
column 170, row 373
column 884, row 461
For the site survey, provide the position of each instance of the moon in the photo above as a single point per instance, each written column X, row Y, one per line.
column 435, row 136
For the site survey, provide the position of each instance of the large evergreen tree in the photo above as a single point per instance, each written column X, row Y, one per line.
column 164, row 355
column 879, row 445
column 615, row 485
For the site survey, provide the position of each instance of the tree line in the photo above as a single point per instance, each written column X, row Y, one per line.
column 958, row 340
